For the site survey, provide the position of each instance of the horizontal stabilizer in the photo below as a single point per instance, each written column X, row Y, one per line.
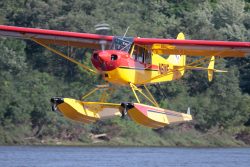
column 202, row 68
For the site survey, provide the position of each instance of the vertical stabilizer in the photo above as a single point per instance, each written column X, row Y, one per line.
column 178, row 60
column 188, row 111
column 210, row 71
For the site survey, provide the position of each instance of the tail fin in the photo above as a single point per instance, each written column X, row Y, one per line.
column 188, row 111
column 210, row 71
column 178, row 60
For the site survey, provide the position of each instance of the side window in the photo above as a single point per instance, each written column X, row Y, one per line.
column 147, row 55
column 142, row 55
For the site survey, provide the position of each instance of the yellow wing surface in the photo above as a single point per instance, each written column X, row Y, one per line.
column 196, row 47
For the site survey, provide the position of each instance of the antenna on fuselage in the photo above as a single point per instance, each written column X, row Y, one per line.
column 102, row 29
column 125, row 32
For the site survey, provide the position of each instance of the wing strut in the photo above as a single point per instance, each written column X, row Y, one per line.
column 196, row 65
column 150, row 98
column 62, row 55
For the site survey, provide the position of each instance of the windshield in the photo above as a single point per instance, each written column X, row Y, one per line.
column 122, row 43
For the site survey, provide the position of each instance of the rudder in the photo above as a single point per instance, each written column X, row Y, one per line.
column 178, row 60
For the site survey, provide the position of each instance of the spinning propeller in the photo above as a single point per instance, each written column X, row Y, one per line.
column 102, row 29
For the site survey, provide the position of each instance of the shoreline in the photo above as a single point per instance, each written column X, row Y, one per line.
column 132, row 135
column 125, row 146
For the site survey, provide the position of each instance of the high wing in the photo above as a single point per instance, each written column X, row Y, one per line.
column 195, row 47
column 64, row 38
column 157, row 45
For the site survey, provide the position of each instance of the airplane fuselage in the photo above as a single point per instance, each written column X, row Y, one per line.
column 123, row 68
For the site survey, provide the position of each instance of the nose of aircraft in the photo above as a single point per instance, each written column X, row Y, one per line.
column 104, row 56
column 105, row 60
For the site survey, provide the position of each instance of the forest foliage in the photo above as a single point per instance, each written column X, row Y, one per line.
column 31, row 75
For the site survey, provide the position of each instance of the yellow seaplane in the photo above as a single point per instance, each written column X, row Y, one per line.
column 132, row 62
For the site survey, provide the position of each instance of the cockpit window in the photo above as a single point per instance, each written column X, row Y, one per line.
column 122, row 43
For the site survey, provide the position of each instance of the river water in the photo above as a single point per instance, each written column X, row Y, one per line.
column 42, row 156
